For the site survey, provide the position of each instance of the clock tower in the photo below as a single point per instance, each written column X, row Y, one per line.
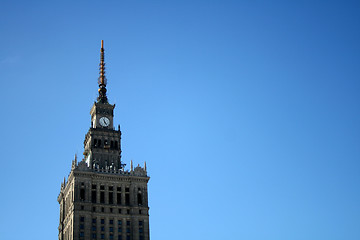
column 100, row 199
column 102, row 147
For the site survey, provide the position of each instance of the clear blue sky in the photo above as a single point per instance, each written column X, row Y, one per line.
column 247, row 112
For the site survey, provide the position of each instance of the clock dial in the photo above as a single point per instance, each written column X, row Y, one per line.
column 104, row 121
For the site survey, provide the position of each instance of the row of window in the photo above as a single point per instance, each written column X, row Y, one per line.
column 111, row 229
column 112, row 198
column 111, row 210
column 105, row 144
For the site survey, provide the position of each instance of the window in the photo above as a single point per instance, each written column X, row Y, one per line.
column 93, row 196
column 140, row 230
column 82, row 194
column 119, row 222
column 141, row 237
column 102, row 221
column 140, row 223
column 93, row 228
column 111, row 188
column 139, row 197
column 111, row 210
column 127, row 223
column 94, row 209
column 102, row 187
column 119, row 237
column 82, row 207
column 111, row 221
column 111, row 229
column 128, row 230
column 103, row 236
column 119, row 229
column 81, row 234
column 102, row 209
column 111, row 197
column 81, row 226
column 120, row 211
column 82, row 219
column 94, row 220
column 94, row 236
column 128, row 237
column 111, row 236
column 102, row 197
column 127, row 199
column 93, row 186
column 118, row 198
column 102, row 229
column 128, row 211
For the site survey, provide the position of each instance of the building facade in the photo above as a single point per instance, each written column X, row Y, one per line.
column 100, row 199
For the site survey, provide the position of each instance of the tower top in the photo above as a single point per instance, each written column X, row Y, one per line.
column 102, row 98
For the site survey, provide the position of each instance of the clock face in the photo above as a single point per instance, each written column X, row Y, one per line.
column 104, row 121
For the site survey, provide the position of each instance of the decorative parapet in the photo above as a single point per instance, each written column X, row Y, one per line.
column 82, row 166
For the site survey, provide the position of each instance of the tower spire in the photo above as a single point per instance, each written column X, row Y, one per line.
column 102, row 79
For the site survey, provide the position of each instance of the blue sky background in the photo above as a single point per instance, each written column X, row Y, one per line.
column 247, row 112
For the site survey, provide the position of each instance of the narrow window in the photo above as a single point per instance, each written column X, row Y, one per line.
column 102, row 197
column 127, row 196
column 139, row 197
column 93, row 196
column 118, row 198
column 82, row 194
column 111, row 198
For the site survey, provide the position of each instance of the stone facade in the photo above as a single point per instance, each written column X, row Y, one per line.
column 100, row 199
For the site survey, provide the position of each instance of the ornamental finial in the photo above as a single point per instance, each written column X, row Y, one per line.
column 102, row 79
